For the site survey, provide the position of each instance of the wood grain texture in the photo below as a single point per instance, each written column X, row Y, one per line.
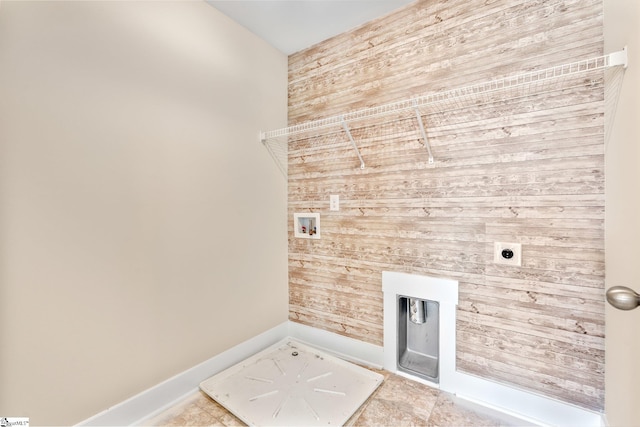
column 525, row 166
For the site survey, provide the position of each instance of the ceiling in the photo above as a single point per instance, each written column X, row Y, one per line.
column 293, row 25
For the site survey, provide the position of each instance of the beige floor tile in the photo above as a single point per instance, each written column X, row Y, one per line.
column 380, row 412
column 451, row 411
column 187, row 413
column 420, row 397
column 398, row 402
column 211, row 406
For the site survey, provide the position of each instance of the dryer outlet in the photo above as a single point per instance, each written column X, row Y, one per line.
column 507, row 253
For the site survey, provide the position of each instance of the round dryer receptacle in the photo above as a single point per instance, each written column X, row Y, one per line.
column 507, row 253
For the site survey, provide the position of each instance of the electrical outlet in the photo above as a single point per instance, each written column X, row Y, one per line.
column 334, row 202
column 507, row 253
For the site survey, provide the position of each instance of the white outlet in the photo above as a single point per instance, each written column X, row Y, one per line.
column 507, row 253
column 334, row 202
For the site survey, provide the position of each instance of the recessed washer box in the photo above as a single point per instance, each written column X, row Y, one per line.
column 306, row 225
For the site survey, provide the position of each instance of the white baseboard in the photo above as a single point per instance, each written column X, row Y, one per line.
column 515, row 402
column 338, row 345
column 519, row 403
column 530, row 407
column 152, row 401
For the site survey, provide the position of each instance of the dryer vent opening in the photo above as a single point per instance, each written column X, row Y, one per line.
column 418, row 337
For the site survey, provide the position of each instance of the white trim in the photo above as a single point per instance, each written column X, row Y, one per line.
column 518, row 403
column 338, row 345
column 312, row 218
column 155, row 399
column 445, row 292
column 528, row 406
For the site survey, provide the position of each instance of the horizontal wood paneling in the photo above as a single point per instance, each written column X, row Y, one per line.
column 527, row 168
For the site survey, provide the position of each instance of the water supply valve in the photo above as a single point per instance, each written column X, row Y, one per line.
column 417, row 311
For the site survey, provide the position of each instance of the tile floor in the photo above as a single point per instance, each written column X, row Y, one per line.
column 397, row 402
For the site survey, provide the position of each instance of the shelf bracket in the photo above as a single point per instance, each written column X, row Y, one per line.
column 619, row 58
column 424, row 133
column 278, row 153
column 528, row 82
column 355, row 147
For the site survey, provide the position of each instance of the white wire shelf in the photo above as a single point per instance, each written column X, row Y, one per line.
column 515, row 86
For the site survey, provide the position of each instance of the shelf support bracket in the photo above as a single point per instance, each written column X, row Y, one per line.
column 355, row 147
column 422, row 131
column 619, row 58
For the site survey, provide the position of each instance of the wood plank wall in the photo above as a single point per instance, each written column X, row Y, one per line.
column 528, row 170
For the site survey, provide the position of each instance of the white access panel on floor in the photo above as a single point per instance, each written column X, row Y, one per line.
column 291, row 384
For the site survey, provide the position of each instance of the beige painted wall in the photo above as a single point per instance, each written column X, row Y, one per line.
column 142, row 225
column 622, row 157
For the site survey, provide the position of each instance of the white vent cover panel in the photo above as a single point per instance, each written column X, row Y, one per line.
column 291, row 384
